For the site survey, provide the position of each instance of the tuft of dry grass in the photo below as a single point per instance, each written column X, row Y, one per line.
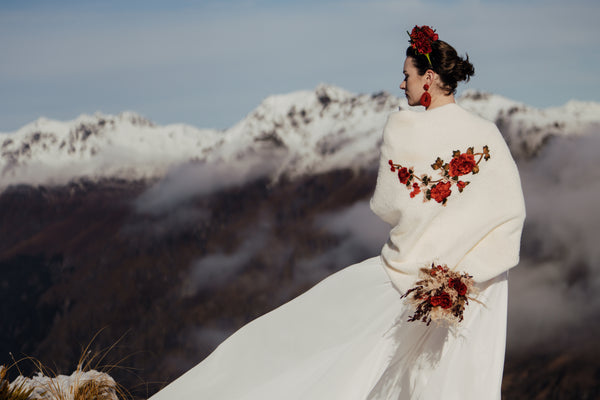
column 96, row 390
column 80, row 385
column 89, row 381
column 14, row 391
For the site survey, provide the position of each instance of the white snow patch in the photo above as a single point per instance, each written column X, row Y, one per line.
column 64, row 387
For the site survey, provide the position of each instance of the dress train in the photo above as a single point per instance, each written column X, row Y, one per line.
column 348, row 338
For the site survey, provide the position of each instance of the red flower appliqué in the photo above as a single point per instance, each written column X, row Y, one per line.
column 462, row 165
column 440, row 192
column 440, row 189
column 403, row 175
column 416, row 190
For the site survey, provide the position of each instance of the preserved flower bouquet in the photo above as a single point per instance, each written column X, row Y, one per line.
column 440, row 295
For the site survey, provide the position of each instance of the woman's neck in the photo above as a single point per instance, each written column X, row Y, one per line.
column 439, row 101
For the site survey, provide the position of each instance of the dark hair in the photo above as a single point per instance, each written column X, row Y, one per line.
column 446, row 63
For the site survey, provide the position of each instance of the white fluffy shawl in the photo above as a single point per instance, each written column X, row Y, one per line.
column 477, row 231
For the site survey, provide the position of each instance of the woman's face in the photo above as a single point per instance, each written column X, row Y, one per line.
column 413, row 82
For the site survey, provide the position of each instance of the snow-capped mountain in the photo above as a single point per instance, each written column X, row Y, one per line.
column 313, row 131
column 306, row 132
column 126, row 146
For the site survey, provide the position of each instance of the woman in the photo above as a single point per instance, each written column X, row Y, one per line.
column 450, row 190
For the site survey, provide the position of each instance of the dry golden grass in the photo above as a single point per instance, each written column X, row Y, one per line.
column 17, row 391
column 89, row 381
column 94, row 389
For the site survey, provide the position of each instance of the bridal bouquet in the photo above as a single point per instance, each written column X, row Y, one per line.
column 440, row 295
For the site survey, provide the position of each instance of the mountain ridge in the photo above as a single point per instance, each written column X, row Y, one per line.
column 305, row 132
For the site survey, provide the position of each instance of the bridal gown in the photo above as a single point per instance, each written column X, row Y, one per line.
column 348, row 337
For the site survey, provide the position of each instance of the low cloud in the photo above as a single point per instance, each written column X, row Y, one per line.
column 186, row 181
column 160, row 226
column 215, row 269
column 360, row 225
column 552, row 290
column 362, row 235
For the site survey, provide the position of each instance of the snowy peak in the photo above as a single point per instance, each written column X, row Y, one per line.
column 313, row 130
column 45, row 137
column 302, row 132
column 488, row 105
column 126, row 146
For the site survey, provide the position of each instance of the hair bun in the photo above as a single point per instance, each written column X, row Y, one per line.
column 464, row 69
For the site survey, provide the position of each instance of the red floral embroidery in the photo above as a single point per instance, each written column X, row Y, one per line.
column 416, row 190
column 440, row 189
column 392, row 165
column 462, row 165
column 403, row 175
column 440, row 192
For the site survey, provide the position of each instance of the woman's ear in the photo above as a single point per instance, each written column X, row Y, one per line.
column 430, row 77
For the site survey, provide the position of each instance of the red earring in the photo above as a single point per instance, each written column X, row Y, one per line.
column 425, row 99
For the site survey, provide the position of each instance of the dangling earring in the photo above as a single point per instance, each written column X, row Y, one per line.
column 425, row 99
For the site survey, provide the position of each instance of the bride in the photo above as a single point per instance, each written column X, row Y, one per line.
column 450, row 190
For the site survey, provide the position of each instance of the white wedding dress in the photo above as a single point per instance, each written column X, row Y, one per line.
column 348, row 337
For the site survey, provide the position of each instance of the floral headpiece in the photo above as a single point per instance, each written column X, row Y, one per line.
column 421, row 38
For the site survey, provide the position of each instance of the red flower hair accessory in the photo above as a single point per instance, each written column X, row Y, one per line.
column 421, row 38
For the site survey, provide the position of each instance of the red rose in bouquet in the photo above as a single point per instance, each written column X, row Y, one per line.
column 443, row 300
column 458, row 285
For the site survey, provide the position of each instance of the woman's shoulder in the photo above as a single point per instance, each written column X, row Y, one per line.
column 403, row 117
column 477, row 119
column 459, row 121
column 400, row 122
column 445, row 114
column 451, row 120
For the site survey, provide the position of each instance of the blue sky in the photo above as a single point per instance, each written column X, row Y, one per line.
column 209, row 63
